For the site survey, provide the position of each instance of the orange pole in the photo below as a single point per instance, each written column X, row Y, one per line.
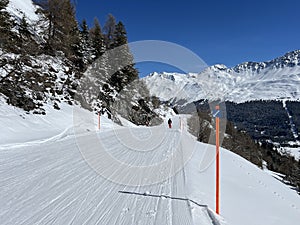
column 217, row 163
column 98, row 120
column 180, row 123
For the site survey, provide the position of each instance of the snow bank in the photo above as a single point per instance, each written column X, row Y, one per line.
column 23, row 7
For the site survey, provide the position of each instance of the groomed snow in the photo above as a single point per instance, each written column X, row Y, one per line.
column 50, row 182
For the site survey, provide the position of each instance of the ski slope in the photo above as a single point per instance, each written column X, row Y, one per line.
column 51, row 182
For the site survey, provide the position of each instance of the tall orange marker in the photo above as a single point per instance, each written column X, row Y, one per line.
column 98, row 120
column 217, row 159
column 180, row 121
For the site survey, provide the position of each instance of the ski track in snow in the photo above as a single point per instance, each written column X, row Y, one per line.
column 292, row 124
column 50, row 183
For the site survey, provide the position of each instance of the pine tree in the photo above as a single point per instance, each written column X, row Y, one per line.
column 85, row 44
column 62, row 32
column 97, row 39
column 6, row 25
column 23, row 27
column 109, row 30
column 122, row 58
column 84, row 30
column 25, row 41
column 120, row 35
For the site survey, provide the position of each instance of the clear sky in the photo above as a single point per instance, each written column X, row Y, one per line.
column 219, row 31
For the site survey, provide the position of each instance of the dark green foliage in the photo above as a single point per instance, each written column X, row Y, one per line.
column 23, row 28
column 122, row 60
column 242, row 144
column 282, row 163
column 199, row 125
column 120, row 35
column 85, row 51
column 109, row 30
column 62, row 32
column 97, row 39
column 25, row 41
column 261, row 119
column 155, row 102
column 294, row 109
column 7, row 37
column 16, row 96
column 84, row 30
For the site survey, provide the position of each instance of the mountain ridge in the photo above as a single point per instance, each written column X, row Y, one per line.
column 275, row 79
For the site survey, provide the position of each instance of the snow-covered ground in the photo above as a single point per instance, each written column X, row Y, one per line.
column 47, row 179
column 21, row 8
column 292, row 151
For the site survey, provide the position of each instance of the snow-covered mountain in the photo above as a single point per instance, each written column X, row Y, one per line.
column 275, row 79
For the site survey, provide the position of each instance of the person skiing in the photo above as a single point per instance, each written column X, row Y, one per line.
column 170, row 123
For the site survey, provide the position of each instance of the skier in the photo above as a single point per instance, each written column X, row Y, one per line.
column 170, row 123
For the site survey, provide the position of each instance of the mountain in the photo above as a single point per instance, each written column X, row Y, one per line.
column 271, row 80
column 261, row 98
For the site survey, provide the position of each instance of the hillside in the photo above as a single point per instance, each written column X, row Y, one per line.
column 48, row 58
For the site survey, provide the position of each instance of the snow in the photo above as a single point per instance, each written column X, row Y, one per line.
column 46, row 178
column 218, row 82
column 23, row 7
column 292, row 151
column 19, row 127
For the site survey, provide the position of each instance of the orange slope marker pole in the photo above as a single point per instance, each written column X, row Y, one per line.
column 217, row 162
column 180, row 122
column 98, row 120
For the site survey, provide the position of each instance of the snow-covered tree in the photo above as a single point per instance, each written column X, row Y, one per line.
column 6, row 24
column 97, row 39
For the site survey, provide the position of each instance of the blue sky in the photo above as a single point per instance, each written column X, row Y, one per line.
column 227, row 32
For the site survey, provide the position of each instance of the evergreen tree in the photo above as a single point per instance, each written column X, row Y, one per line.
column 97, row 39
column 84, row 30
column 120, row 35
column 6, row 25
column 23, row 27
column 109, row 30
column 62, row 31
column 122, row 58
column 26, row 43
column 85, row 44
